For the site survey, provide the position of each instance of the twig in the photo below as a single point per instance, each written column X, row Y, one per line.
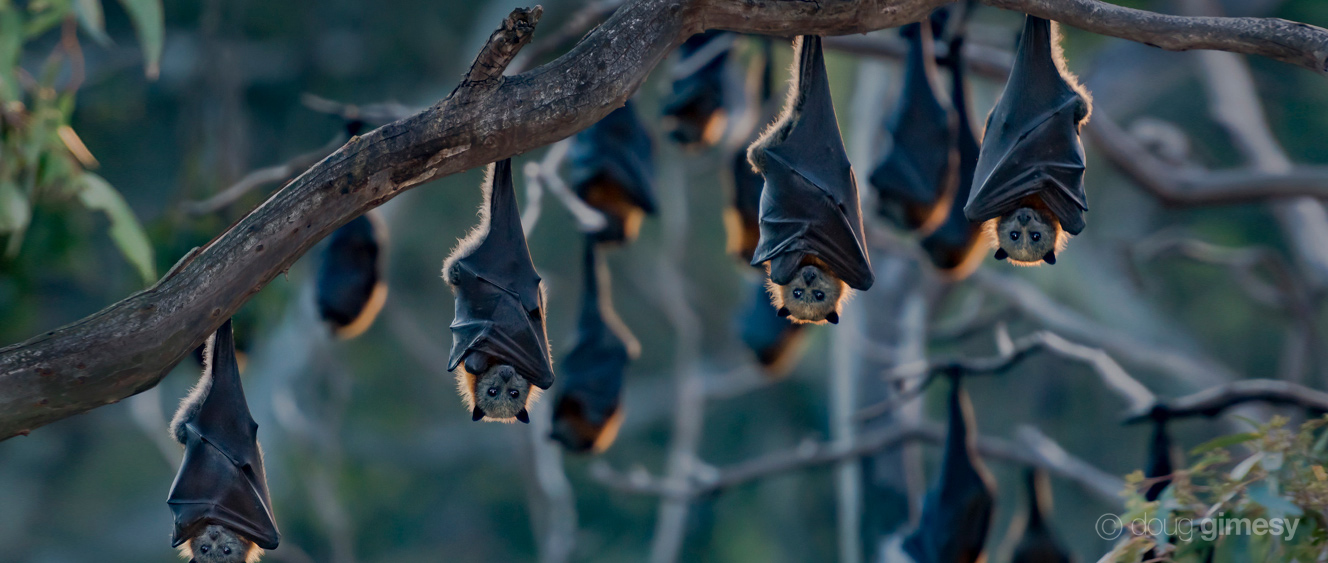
column 1060, row 462
column 545, row 174
column 1212, row 401
column 260, row 177
column 379, row 113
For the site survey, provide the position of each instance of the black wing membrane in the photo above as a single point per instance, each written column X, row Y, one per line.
column 915, row 181
column 617, row 149
column 695, row 104
column 1039, row 544
column 1031, row 147
column 953, row 240
column 810, row 206
column 499, row 304
column 350, row 284
column 592, row 373
column 221, row 479
column 956, row 513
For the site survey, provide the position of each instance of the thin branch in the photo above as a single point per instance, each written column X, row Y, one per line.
column 1242, row 263
column 379, row 113
column 260, row 177
column 1112, row 374
column 127, row 347
column 1213, row 401
column 1060, row 462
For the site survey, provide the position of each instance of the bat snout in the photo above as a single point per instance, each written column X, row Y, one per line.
column 808, row 275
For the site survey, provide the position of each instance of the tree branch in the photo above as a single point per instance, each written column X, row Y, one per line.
column 127, row 347
column 1212, row 401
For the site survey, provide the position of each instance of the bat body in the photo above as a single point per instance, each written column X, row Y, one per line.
column 775, row 340
column 499, row 340
column 1038, row 544
column 1159, row 459
column 742, row 217
column 915, row 181
column 694, row 109
column 1029, row 184
column 351, row 288
column 956, row 246
column 587, row 413
column 611, row 168
column 220, row 497
column 810, row 220
column 956, row 512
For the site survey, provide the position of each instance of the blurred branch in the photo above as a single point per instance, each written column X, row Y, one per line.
column 127, row 347
column 1041, row 452
column 556, row 524
column 378, row 113
column 1242, row 263
column 1212, row 401
column 982, row 60
column 260, row 177
column 1112, row 374
column 545, row 173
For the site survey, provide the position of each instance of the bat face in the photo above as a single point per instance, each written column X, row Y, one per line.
column 1028, row 237
column 495, row 393
column 812, row 296
column 218, row 544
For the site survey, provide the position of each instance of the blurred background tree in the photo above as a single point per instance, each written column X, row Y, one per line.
column 371, row 458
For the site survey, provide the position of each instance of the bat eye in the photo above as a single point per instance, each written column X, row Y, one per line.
column 493, row 391
column 1014, row 235
column 797, row 293
column 514, row 393
column 204, row 549
column 226, row 550
column 819, row 295
column 1035, row 236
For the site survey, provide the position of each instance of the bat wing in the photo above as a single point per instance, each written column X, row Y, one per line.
column 810, row 202
column 499, row 304
column 593, row 370
column 957, row 230
column 617, row 147
column 221, row 479
column 918, row 169
column 349, row 271
column 956, row 513
column 1032, row 145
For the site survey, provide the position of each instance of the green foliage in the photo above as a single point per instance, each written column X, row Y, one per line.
column 41, row 156
column 1229, row 502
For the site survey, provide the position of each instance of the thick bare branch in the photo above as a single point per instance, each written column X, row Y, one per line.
column 130, row 345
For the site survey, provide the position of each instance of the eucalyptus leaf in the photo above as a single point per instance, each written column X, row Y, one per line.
column 1224, row 442
column 1243, row 468
column 149, row 23
column 15, row 213
column 11, row 46
column 126, row 231
column 92, row 20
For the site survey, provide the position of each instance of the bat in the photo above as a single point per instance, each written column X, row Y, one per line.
column 1039, row 544
column 350, row 285
column 776, row 341
column 220, row 497
column 1159, row 458
column 587, row 412
column 500, row 349
column 611, row 169
column 915, row 179
column 956, row 512
column 694, row 109
column 956, row 246
column 810, row 218
column 1028, row 188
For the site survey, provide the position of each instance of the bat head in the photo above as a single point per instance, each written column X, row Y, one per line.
column 1027, row 236
column 495, row 392
column 219, row 544
column 812, row 296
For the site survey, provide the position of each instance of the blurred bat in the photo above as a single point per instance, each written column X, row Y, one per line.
column 611, row 169
column 350, row 285
column 694, row 109
column 1038, row 544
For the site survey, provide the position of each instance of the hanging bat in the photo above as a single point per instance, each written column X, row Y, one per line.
column 220, row 498
column 776, row 341
column 915, row 180
column 611, row 169
column 694, row 109
column 500, row 349
column 1039, row 544
column 1028, row 189
column 811, row 222
column 351, row 288
column 956, row 246
column 956, row 512
column 587, row 413
column 1159, row 457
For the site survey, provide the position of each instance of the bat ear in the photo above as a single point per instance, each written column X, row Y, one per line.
column 1000, row 254
column 1050, row 257
column 833, row 317
column 523, row 416
column 783, row 312
column 476, row 414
